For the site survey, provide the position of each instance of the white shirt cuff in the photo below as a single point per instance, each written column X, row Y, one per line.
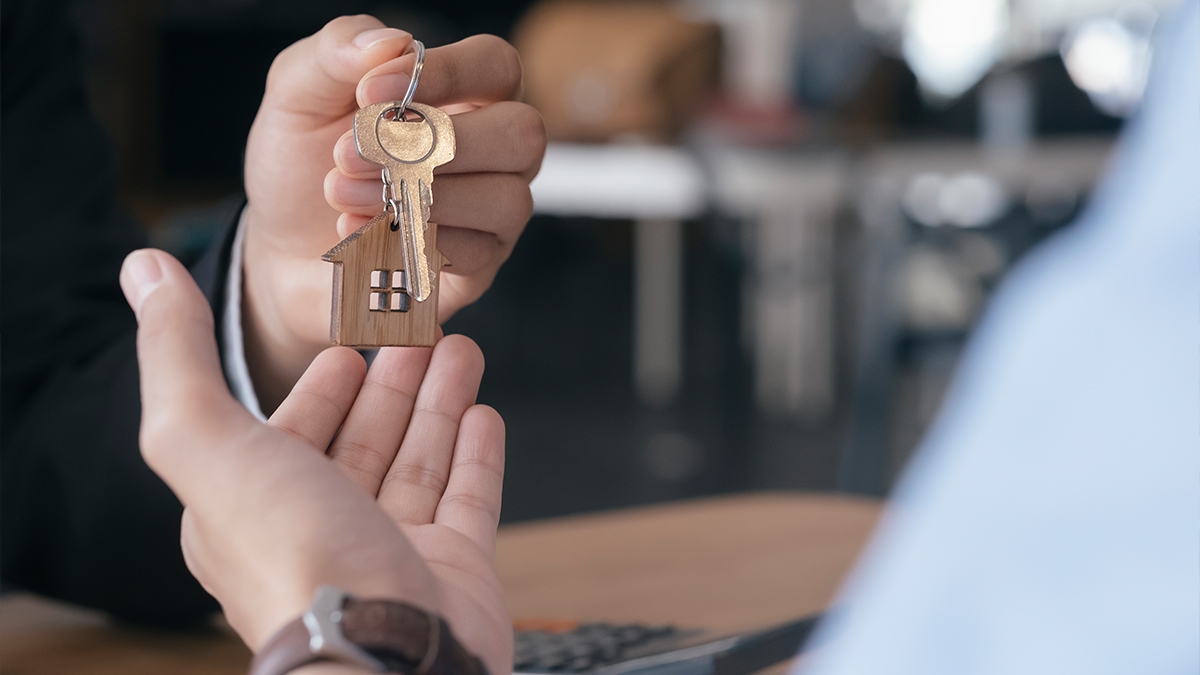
column 234, row 352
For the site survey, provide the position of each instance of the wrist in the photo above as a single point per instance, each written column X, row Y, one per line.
column 277, row 299
column 378, row 635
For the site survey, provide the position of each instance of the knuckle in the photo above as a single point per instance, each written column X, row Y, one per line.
column 155, row 438
column 509, row 64
column 333, row 25
column 435, row 414
column 162, row 324
column 514, row 200
column 470, row 501
column 523, row 208
column 484, row 458
column 527, row 130
column 410, row 475
column 346, row 26
column 330, row 187
column 391, row 384
column 504, row 61
column 169, row 428
column 283, row 62
column 360, row 459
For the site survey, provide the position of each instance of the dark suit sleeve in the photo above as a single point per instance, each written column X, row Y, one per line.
column 81, row 516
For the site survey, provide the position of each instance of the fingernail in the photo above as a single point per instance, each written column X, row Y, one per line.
column 140, row 275
column 370, row 38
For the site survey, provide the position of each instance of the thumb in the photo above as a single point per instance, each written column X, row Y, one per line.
column 185, row 401
column 318, row 75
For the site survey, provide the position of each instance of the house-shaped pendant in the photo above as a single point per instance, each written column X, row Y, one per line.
column 371, row 303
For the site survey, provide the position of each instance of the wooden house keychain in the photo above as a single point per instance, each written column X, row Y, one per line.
column 385, row 276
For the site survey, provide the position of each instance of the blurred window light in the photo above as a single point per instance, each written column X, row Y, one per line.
column 1110, row 60
column 951, row 44
column 921, row 199
column 967, row 199
column 972, row 200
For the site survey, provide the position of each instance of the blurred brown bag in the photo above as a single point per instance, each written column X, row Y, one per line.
column 599, row 70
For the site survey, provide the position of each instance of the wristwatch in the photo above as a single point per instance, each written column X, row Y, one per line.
column 382, row 636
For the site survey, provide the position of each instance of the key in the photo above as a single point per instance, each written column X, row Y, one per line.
column 408, row 150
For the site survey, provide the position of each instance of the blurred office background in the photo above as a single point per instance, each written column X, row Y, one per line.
column 765, row 228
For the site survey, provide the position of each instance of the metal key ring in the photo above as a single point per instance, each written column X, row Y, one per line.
column 419, row 48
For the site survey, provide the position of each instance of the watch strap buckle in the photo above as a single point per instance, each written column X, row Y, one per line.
column 326, row 639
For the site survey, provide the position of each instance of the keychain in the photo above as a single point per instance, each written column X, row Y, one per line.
column 385, row 275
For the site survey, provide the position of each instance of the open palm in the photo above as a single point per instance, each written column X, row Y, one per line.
column 384, row 483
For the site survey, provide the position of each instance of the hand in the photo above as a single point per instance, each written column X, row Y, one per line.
column 304, row 124
column 385, row 484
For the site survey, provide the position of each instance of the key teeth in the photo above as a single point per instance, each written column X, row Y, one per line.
column 420, row 293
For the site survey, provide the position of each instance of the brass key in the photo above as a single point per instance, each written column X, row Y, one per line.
column 408, row 145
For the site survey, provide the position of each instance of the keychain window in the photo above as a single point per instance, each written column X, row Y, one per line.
column 382, row 301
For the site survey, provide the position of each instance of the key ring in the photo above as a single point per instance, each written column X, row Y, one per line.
column 419, row 48
column 389, row 199
column 389, row 188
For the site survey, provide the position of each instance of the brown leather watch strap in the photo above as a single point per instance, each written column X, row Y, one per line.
column 451, row 657
column 378, row 635
column 400, row 636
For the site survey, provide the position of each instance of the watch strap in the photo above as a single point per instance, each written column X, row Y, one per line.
column 450, row 657
column 382, row 636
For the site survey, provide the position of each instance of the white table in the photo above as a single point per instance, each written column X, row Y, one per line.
column 786, row 200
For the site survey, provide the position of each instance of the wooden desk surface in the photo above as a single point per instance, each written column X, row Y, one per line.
column 728, row 563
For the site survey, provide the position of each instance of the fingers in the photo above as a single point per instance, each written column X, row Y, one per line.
column 318, row 75
column 498, row 203
column 479, row 70
column 322, row 397
column 185, row 401
column 458, row 291
column 417, row 478
column 470, row 252
column 368, row 442
column 482, row 200
column 471, row 503
column 505, row 137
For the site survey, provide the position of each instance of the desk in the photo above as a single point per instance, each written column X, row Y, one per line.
column 727, row 563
